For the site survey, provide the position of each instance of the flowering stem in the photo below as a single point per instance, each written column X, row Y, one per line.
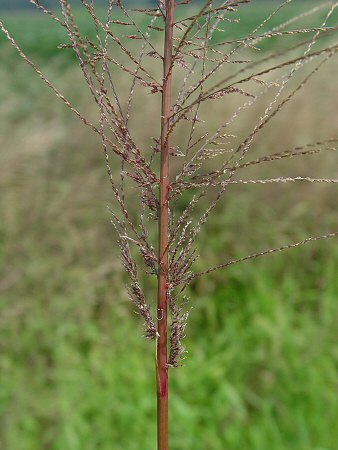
column 163, row 281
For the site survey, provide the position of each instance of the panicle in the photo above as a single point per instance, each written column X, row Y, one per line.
column 212, row 64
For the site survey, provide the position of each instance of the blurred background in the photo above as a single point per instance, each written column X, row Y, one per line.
column 262, row 341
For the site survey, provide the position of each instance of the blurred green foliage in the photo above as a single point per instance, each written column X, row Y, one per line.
column 261, row 371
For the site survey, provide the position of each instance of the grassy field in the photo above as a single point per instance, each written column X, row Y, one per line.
column 261, row 369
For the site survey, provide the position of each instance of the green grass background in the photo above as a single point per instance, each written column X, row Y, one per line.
column 261, row 368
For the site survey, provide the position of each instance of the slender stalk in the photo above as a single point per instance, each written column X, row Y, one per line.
column 163, row 281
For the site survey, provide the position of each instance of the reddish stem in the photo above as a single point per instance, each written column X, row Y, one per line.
column 163, row 281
